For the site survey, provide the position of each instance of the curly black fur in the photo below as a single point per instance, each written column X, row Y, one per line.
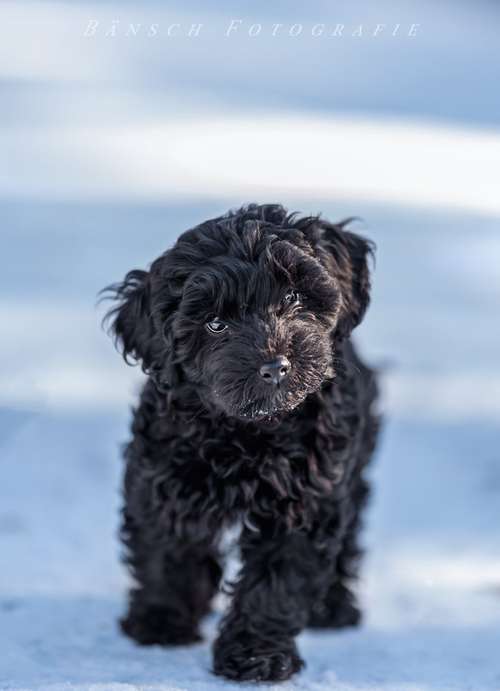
column 213, row 443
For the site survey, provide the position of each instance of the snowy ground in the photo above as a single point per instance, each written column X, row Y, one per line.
column 431, row 587
column 431, row 583
column 109, row 150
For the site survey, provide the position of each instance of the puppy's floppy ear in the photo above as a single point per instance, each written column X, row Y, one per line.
column 348, row 256
column 130, row 321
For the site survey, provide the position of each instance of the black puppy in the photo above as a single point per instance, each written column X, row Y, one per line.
column 256, row 410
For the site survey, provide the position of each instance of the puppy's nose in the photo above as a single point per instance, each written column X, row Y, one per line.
column 276, row 371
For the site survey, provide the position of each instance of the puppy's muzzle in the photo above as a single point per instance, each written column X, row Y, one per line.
column 276, row 371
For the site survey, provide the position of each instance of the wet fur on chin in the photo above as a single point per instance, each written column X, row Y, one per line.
column 213, row 443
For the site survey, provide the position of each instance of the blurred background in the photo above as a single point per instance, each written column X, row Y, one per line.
column 114, row 139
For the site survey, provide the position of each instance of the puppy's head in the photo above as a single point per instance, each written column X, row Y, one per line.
column 246, row 309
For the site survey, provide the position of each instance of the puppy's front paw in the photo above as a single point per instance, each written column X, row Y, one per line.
column 155, row 625
column 256, row 660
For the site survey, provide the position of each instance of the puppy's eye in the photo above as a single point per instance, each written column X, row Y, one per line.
column 291, row 298
column 216, row 326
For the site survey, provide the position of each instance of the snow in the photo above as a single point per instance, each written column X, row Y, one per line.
column 430, row 587
column 110, row 151
column 187, row 160
column 431, row 580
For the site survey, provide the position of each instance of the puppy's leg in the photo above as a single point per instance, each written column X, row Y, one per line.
column 176, row 581
column 272, row 599
column 339, row 609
